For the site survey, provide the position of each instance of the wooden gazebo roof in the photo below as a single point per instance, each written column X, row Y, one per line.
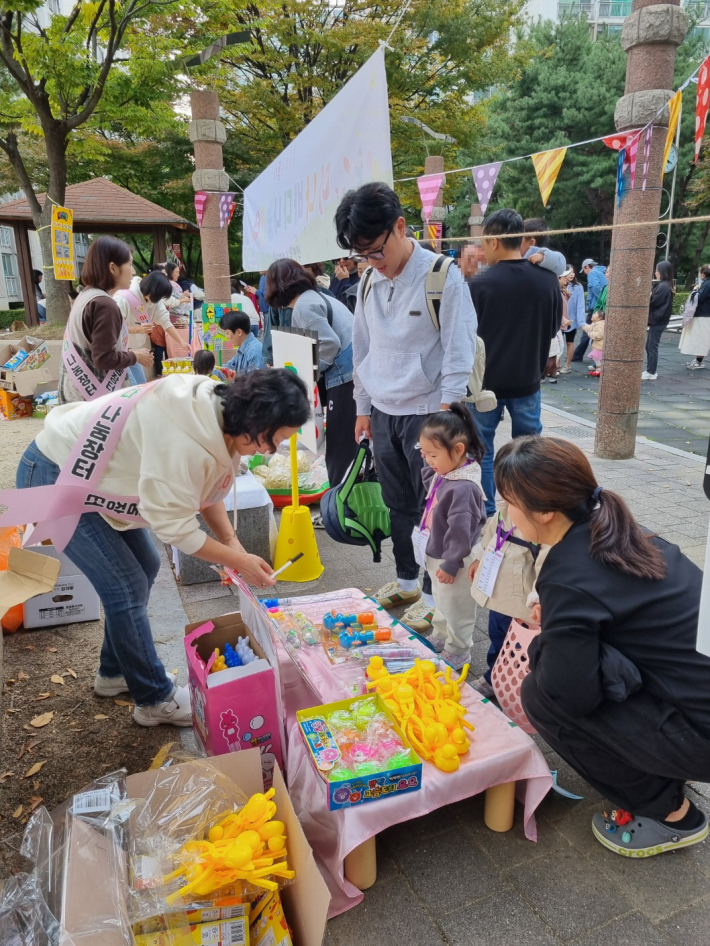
column 99, row 205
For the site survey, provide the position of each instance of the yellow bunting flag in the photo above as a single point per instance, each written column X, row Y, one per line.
column 547, row 167
column 674, row 108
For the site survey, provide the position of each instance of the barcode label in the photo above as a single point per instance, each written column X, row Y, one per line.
column 87, row 802
column 228, row 913
column 237, row 932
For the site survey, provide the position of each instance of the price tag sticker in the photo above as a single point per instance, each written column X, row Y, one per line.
column 488, row 570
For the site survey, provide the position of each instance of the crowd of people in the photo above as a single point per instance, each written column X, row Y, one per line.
column 422, row 358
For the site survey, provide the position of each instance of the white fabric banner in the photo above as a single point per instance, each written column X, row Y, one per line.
column 289, row 208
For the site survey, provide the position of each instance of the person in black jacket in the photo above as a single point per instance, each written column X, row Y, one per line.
column 616, row 685
column 519, row 310
column 659, row 315
column 695, row 337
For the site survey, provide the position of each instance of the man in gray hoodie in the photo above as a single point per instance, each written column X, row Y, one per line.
column 405, row 369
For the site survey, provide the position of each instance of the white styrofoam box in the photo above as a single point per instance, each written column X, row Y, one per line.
column 72, row 600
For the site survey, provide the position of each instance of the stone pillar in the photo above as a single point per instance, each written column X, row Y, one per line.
column 208, row 134
column 475, row 221
column 650, row 36
column 435, row 165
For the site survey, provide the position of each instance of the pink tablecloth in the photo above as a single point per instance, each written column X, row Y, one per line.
column 174, row 351
column 500, row 752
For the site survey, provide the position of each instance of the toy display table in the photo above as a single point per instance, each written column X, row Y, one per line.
column 503, row 761
column 174, row 351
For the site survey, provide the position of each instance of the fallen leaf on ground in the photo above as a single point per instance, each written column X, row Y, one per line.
column 52, row 650
column 36, row 800
column 11, row 680
column 55, row 678
column 41, row 696
column 5, row 776
column 34, row 769
column 31, row 745
column 17, row 812
column 42, row 720
column 100, row 716
column 35, row 785
column 21, row 675
column 30, row 647
column 123, row 703
column 11, row 710
column 72, row 672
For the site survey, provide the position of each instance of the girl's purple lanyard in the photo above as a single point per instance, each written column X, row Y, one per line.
column 430, row 502
column 500, row 538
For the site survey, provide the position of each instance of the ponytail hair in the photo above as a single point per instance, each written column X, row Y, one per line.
column 548, row 474
column 447, row 428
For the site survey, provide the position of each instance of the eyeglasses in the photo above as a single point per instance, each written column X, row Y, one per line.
column 376, row 254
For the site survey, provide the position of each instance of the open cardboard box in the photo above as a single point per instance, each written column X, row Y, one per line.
column 39, row 370
column 91, row 892
column 72, row 600
column 28, row 574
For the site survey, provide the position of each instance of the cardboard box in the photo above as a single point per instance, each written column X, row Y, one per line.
column 235, row 708
column 268, row 926
column 90, row 892
column 14, row 405
column 362, row 789
column 39, row 372
column 27, row 574
column 72, row 600
column 229, row 933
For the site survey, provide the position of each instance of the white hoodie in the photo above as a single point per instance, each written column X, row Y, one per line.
column 157, row 312
column 171, row 454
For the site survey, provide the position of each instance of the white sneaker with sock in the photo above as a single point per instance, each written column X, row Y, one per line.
column 114, row 686
column 175, row 711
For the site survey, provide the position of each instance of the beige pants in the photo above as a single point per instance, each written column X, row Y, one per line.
column 455, row 614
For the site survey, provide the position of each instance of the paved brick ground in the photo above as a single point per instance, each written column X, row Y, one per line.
column 675, row 409
column 447, row 879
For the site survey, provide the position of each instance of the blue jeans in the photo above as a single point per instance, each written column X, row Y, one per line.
column 525, row 419
column 255, row 331
column 498, row 625
column 137, row 374
column 122, row 567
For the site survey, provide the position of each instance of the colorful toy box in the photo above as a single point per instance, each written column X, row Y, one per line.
column 267, row 923
column 228, row 933
column 28, row 365
column 235, row 708
column 13, row 405
column 360, row 789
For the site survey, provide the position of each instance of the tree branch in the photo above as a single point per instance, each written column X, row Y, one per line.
column 10, row 147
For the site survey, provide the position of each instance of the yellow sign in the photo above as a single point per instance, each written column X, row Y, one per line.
column 63, row 242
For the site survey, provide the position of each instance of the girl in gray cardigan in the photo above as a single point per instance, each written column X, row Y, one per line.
column 453, row 518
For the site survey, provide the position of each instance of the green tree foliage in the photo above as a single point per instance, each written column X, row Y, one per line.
column 70, row 85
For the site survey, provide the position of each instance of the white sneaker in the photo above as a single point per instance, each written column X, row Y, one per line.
column 114, row 686
column 418, row 617
column 392, row 595
column 694, row 365
column 648, row 377
column 175, row 711
column 565, row 370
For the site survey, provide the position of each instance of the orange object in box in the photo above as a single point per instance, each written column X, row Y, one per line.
column 13, row 406
column 10, row 539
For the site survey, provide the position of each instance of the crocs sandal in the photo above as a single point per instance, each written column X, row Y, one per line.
column 642, row 837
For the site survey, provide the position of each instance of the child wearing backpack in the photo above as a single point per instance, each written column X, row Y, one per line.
column 454, row 515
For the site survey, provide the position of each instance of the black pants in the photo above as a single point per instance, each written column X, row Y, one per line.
column 581, row 349
column 653, row 340
column 638, row 753
column 340, row 446
column 399, row 469
column 158, row 356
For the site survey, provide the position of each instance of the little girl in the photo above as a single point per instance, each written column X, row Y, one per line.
column 453, row 518
column 596, row 335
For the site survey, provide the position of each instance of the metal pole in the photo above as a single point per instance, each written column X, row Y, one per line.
column 675, row 169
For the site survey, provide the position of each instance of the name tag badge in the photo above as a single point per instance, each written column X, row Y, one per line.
column 420, row 538
column 488, row 570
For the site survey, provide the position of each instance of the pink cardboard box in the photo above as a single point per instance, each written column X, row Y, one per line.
column 235, row 708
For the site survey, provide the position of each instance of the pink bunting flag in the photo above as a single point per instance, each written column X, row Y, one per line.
column 621, row 139
column 701, row 105
column 485, row 177
column 631, row 152
column 429, row 187
column 200, row 201
column 646, row 153
column 226, row 208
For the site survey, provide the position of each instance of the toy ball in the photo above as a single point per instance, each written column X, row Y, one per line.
column 340, row 773
column 340, row 719
column 367, row 768
column 362, row 752
column 400, row 759
column 364, row 712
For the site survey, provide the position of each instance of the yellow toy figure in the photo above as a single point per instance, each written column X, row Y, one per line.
column 219, row 662
column 245, row 845
column 428, row 712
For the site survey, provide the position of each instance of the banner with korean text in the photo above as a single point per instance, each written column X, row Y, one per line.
column 289, row 208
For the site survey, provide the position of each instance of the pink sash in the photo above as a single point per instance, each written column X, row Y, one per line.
column 84, row 378
column 57, row 508
column 137, row 307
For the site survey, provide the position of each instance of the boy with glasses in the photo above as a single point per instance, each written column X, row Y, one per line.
column 405, row 369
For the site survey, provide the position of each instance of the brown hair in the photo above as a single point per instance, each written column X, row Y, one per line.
column 286, row 279
column 317, row 269
column 547, row 474
column 95, row 273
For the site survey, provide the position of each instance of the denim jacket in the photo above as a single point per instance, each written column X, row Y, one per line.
column 341, row 371
column 248, row 356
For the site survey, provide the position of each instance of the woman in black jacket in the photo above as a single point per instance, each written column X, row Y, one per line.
column 695, row 337
column 616, row 686
column 659, row 315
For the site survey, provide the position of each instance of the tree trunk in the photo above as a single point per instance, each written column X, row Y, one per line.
column 57, row 302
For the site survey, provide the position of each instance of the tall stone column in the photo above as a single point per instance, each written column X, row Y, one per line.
column 475, row 221
column 208, row 134
column 650, row 36
column 435, row 165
